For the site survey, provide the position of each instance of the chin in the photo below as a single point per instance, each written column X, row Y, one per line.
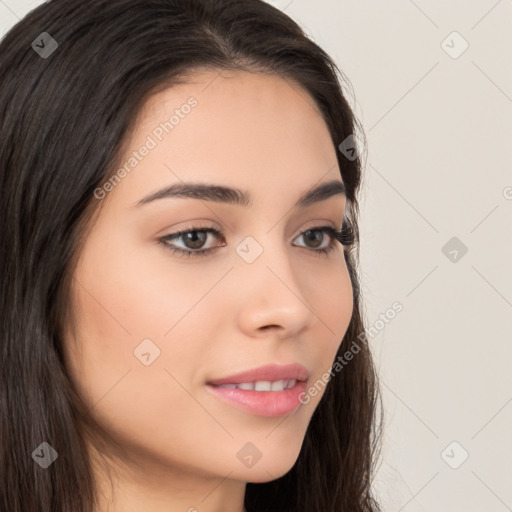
column 274, row 467
column 266, row 474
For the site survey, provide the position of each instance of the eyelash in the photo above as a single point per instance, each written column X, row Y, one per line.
column 345, row 236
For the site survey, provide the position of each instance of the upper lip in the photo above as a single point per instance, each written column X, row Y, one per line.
column 270, row 372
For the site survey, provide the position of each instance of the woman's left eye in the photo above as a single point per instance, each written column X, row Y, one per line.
column 196, row 237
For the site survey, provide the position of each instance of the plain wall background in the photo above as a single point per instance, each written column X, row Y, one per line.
column 439, row 165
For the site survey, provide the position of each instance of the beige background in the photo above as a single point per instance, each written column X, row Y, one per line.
column 439, row 130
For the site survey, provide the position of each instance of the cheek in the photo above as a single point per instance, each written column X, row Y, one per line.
column 331, row 296
column 126, row 308
column 117, row 306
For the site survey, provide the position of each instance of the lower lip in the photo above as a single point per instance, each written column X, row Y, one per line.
column 263, row 403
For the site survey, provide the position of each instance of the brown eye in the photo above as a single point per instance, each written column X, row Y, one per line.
column 194, row 239
column 314, row 235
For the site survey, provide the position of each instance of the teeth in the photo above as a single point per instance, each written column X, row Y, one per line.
column 246, row 385
column 278, row 385
column 262, row 385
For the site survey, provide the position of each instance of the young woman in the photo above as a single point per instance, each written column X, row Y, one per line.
column 182, row 324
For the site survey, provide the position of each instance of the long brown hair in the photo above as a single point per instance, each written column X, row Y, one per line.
column 66, row 106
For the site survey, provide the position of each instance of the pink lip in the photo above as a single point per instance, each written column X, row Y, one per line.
column 262, row 403
column 271, row 372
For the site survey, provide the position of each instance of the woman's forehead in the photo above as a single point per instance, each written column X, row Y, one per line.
column 252, row 127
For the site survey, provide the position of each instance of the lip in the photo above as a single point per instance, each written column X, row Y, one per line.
column 270, row 372
column 262, row 403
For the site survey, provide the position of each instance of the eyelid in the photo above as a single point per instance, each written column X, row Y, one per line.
column 318, row 224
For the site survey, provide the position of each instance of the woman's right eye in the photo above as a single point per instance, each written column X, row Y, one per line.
column 196, row 241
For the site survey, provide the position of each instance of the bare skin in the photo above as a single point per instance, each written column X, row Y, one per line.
column 212, row 315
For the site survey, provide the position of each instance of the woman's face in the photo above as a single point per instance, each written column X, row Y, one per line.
column 154, row 327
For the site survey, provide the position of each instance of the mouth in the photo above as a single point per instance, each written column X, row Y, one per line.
column 270, row 373
column 269, row 391
column 262, row 385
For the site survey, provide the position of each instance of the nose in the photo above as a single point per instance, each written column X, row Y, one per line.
column 272, row 300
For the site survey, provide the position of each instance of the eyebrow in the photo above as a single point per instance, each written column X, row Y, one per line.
column 235, row 196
